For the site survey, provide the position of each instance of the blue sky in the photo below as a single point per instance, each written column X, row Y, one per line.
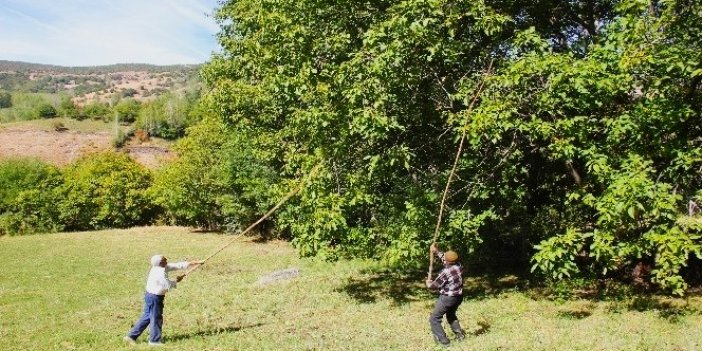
column 102, row 32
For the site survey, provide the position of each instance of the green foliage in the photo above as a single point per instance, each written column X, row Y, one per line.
column 27, row 106
column 581, row 118
column 96, row 110
column 130, row 92
column 5, row 99
column 105, row 190
column 216, row 182
column 127, row 110
column 28, row 197
column 556, row 255
column 119, row 138
column 17, row 175
column 46, row 111
column 169, row 115
column 68, row 109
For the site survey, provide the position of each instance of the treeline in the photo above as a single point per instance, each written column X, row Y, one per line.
column 78, row 85
column 213, row 190
column 167, row 116
column 18, row 66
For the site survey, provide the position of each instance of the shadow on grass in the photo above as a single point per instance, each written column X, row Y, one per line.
column 210, row 332
column 672, row 310
column 403, row 287
column 584, row 296
column 369, row 286
column 373, row 285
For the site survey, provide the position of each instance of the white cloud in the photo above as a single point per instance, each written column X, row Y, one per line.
column 81, row 33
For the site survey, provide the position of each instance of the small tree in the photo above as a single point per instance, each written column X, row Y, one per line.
column 96, row 110
column 5, row 99
column 127, row 110
column 46, row 110
column 67, row 108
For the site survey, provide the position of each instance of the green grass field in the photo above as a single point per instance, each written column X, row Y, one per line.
column 84, row 126
column 82, row 291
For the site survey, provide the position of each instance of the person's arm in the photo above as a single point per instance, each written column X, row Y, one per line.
column 436, row 251
column 438, row 282
column 182, row 265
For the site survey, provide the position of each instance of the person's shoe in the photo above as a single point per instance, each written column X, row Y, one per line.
column 445, row 342
column 129, row 340
column 460, row 336
column 156, row 343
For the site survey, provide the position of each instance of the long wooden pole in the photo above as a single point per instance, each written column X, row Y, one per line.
column 268, row 214
column 453, row 170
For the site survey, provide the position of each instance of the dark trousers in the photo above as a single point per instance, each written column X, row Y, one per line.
column 445, row 305
column 153, row 315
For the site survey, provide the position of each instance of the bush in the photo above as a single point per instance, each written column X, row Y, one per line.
column 105, row 190
column 28, row 197
column 17, row 175
column 217, row 181
column 168, row 116
column 67, row 108
column 96, row 111
column 5, row 99
column 119, row 138
column 46, row 111
column 26, row 106
column 127, row 110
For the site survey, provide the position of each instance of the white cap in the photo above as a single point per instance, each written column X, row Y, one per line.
column 156, row 260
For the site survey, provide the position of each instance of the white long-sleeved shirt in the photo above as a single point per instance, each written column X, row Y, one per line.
column 157, row 282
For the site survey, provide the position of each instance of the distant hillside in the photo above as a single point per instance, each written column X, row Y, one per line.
column 98, row 83
column 18, row 66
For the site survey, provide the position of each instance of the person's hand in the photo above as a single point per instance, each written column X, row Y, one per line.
column 179, row 278
column 428, row 282
column 433, row 248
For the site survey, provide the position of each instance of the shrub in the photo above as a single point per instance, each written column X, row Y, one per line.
column 67, row 108
column 96, row 111
column 28, row 197
column 46, row 111
column 17, row 175
column 129, row 92
column 168, row 116
column 5, row 99
column 216, row 182
column 105, row 190
column 127, row 110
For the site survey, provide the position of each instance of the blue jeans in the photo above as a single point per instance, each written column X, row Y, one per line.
column 445, row 305
column 153, row 315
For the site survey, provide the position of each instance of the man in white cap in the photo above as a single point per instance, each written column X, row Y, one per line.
column 157, row 284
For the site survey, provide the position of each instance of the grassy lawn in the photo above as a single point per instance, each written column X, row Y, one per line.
column 82, row 291
column 84, row 126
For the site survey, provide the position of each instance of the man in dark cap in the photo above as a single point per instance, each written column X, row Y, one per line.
column 450, row 285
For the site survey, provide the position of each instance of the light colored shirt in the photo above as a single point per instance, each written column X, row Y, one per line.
column 157, row 282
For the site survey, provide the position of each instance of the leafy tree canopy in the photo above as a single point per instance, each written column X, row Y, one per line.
column 582, row 121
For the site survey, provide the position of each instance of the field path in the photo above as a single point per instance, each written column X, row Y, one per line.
column 63, row 147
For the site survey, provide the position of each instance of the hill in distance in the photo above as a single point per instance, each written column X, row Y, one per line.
column 97, row 83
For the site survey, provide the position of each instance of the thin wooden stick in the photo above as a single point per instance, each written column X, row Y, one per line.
column 453, row 170
column 252, row 226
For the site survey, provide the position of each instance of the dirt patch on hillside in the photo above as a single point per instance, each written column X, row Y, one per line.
column 151, row 156
column 62, row 148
